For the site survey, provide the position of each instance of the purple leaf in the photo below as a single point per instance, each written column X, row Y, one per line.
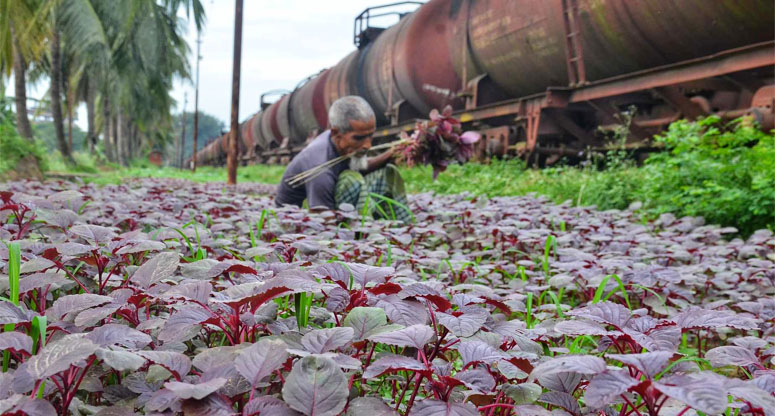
column 162, row 400
column 563, row 381
column 478, row 352
column 72, row 304
column 92, row 316
column 363, row 274
column 115, row 411
column 22, row 405
column 338, row 272
column 561, row 399
column 212, row 405
column 579, row 327
column 754, row 395
column 582, row 364
column 414, row 336
column 650, row 363
column 74, row 249
column 606, row 387
column 477, row 379
column 510, row 371
column 60, row 355
column 195, row 391
column 697, row 318
column 259, row 360
column 117, row 334
column 160, row 267
column 465, row 325
column 15, row 341
column 181, row 322
column 705, row 394
column 11, row 314
column 141, row 246
column 42, row 280
column 370, row 406
column 422, row 290
column 405, row 312
column 432, row 407
column 174, row 362
column 731, row 355
column 604, row 312
column 120, row 360
column 524, row 393
column 319, row 341
column 198, row 291
column 36, row 265
column 316, row 386
column 93, row 233
column 268, row 406
column 392, row 364
column 663, row 338
column 365, row 321
column 337, row 300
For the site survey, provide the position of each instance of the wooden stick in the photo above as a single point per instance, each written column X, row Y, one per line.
column 309, row 174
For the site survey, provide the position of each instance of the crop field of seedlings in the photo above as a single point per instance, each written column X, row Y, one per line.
column 164, row 297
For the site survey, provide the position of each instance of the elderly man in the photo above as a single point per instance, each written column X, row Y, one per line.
column 352, row 124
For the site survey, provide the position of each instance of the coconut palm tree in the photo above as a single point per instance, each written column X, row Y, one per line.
column 122, row 55
column 20, row 43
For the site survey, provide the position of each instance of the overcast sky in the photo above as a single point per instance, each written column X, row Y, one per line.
column 283, row 42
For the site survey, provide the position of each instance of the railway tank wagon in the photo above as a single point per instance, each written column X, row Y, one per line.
column 539, row 78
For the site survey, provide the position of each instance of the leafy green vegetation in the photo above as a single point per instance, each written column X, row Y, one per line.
column 254, row 173
column 209, row 127
column 13, row 148
column 45, row 132
column 725, row 174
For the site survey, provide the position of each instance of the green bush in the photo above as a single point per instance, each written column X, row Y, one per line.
column 723, row 173
column 14, row 147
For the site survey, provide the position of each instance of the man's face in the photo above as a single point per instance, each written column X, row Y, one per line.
column 356, row 140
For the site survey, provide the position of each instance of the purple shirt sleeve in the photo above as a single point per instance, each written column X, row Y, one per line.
column 320, row 191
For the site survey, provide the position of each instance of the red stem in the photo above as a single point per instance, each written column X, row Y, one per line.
column 494, row 405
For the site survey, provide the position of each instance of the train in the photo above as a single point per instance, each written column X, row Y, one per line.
column 540, row 79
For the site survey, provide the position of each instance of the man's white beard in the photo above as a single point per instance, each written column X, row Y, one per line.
column 359, row 163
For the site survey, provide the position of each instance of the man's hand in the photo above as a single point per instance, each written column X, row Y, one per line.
column 382, row 159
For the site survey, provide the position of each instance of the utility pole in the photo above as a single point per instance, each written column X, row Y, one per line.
column 231, row 159
column 196, row 93
column 183, row 133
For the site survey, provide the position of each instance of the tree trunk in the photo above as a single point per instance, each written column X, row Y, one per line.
column 106, row 128
column 116, row 143
column 56, row 98
column 20, row 92
column 91, row 130
column 70, row 120
column 233, row 154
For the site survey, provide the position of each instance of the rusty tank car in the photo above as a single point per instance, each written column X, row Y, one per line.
column 539, row 78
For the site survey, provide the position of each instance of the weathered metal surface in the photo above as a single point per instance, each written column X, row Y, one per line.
column 740, row 59
column 547, row 69
column 277, row 119
column 425, row 69
column 308, row 109
column 520, row 43
column 342, row 79
column 376, row 76
column 247, row 140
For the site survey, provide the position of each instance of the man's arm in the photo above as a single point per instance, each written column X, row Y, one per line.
column 379, row 161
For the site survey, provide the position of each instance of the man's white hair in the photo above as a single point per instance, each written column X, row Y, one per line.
column 347, row 109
